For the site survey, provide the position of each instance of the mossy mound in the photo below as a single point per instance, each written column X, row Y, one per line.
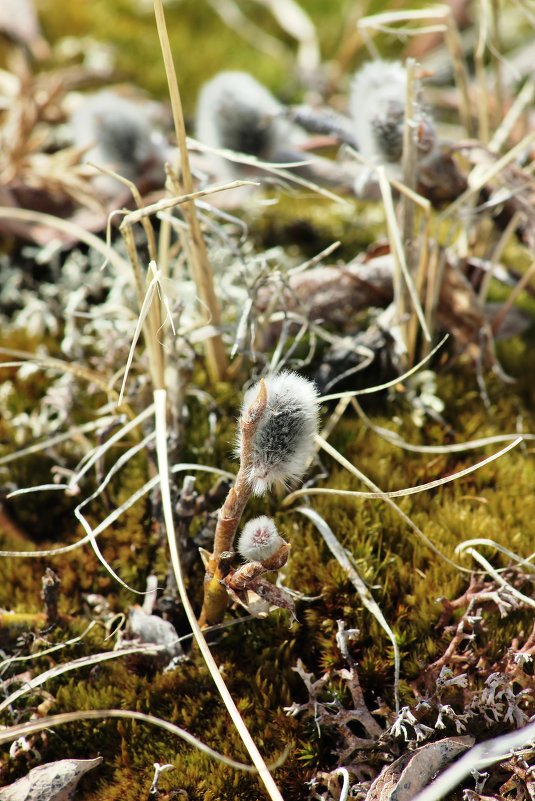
column 257, row 657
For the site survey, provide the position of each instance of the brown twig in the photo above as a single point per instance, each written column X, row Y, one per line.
column 215, row 595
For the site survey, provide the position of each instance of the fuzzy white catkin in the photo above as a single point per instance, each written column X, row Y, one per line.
column 236, row 112
column 283, row 441
column 377, row 105
column 259, row 539
column 120, row 134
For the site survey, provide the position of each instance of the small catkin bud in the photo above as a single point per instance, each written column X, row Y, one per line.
column 236, row 112
column 283, row 441
column 377, row 102
column 259, row 539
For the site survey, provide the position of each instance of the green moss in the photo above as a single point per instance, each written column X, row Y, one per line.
column 307, row 228
column 257, row 657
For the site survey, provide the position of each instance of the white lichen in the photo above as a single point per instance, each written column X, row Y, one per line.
column 283, row 442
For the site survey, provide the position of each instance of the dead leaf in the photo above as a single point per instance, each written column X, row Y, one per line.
column 54, row 781
column 409, row 774
column 275, row 596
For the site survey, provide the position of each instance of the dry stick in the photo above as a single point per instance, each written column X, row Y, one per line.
column 202, row 272
column 215, row 594
column 160, row 399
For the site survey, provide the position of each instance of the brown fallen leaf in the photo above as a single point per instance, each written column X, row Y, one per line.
column 54, row 781
column 409, row 774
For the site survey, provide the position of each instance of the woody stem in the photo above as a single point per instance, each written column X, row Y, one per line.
column 230, row 513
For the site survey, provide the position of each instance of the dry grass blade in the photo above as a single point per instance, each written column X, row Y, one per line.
column 136, row 216
column 160, row 401
column 235, row 19
column 479, row 177
column 511, row 554
column 371, row 605
column 524, row 98
column 394, row 493
column 297, row 24
column 69, row 228
column 50, row 442
column 281, row 170
column 417, row 530
column 27, row 657
column 115, row 437
column 379, row 387
column 67, row 667
column 466, row 548
column 125, row 457
column 479, row 59
column 400, row 261
column 459, row 447
column 202, row 272
column 33, row 726
column 480, row 756
column 116, row 514
column 51, row 363
column 143, row 313
column 38, row 488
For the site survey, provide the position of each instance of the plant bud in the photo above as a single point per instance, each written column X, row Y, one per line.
column 377, row 102
column 283, row 441
column 259, row 539
column 242, row 577
column 236, row 112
